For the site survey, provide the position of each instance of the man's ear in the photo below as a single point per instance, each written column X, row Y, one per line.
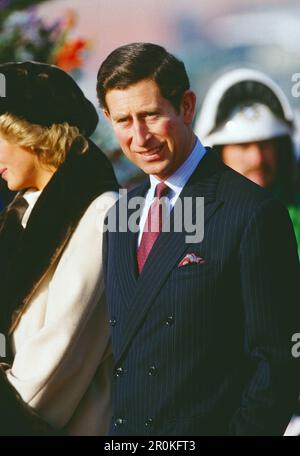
column 188, row 106
column 106, row 114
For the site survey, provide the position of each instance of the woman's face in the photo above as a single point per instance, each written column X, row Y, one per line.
column 21, row 168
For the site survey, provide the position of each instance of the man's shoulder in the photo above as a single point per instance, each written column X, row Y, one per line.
column 237, row 189
column 226, row 184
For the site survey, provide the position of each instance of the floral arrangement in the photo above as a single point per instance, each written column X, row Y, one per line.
column 9, row 6
column 26, row 36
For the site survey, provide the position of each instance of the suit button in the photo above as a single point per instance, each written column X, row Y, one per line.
column 149, row 422
column 112, row 322
column 169, row 320
column 152, row 370
column 119, row 371
column 119, row 422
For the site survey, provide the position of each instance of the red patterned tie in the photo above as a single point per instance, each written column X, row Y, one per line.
column 153, row 225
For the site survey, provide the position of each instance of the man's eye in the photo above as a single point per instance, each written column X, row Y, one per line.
column 122, row 121
column 151, row 115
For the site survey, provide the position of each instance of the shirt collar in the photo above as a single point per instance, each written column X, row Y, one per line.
column 31, row 196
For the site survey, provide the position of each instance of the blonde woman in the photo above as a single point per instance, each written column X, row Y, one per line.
column 53, row 315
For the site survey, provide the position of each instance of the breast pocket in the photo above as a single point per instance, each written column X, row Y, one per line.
column 193, row 271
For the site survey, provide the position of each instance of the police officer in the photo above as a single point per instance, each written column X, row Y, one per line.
column 248, row 118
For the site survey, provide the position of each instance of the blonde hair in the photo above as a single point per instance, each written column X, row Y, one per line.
column 51, row 144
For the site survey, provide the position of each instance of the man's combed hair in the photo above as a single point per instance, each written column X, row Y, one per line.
column 135, row 62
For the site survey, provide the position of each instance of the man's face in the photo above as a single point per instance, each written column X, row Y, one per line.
column 151, row 133
column 256, row 160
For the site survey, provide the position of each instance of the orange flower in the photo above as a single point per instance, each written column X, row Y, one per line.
column 68, row 57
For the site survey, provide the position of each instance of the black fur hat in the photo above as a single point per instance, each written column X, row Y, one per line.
column 44, row 94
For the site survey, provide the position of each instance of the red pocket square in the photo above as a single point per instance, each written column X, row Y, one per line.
column 191, row 258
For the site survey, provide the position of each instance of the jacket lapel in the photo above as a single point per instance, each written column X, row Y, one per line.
column 169, row 248
column 125, row 248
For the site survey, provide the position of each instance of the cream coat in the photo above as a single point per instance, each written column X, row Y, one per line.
column 63, row 361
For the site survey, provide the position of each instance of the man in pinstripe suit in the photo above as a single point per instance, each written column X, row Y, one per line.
column 201, row 331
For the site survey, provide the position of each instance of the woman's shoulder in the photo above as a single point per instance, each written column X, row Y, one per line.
column 93, row 218
column 88, row 234
column 102, row 203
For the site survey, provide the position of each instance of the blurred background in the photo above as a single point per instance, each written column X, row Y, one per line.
column 209, row 35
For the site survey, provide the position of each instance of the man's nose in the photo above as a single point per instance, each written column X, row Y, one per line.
column 141, row 134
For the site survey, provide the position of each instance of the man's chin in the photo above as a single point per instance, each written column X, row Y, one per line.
column 155, row 169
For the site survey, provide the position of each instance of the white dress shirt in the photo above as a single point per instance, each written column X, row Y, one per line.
column 31, row 196
column 176, row 182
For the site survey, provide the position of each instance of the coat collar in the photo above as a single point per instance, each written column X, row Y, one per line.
column 78, row 181
column 139, row 292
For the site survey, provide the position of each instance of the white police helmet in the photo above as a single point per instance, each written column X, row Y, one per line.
column 243, row 105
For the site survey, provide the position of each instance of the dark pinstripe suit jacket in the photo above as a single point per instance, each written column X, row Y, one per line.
column 205, row 349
